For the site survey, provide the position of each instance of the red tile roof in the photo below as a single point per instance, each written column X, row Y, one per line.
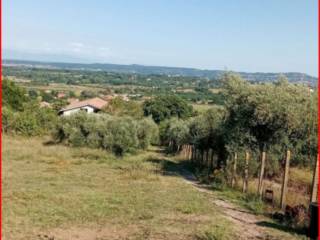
column 97, row 103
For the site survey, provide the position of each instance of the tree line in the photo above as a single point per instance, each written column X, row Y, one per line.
column 263, row 119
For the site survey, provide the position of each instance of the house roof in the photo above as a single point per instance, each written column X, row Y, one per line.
column 97, row 103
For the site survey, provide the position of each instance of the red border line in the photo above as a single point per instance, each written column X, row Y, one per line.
column 318, row 117
column 1, row 22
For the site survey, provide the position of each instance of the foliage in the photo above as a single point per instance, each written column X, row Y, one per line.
column 47, row 97
column 173, row 133
column 87, row 94
column 270, row 117
column 118, row 107
column 147, row 133
column 7, row 119
column 165, row 107
column 13, row 96
column 32, row 121
column 116, row 134
column 22, row 115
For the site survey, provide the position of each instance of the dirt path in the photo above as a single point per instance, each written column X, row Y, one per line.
column 245, row 223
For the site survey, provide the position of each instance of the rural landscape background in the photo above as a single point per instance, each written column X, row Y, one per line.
column 98, row 145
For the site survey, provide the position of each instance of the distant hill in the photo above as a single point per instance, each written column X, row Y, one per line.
column 141, row 69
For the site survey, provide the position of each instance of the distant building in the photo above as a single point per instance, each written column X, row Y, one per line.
column 92, row 105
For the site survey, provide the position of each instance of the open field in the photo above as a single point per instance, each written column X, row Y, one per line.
column 63, row 87
column 79, row 193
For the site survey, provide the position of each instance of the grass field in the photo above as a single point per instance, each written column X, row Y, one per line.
column 56, row 192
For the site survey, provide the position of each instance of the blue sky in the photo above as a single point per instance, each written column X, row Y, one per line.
column 239, row 35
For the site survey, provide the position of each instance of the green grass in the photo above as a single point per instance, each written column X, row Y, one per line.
column 80, row 193
column 55, row 187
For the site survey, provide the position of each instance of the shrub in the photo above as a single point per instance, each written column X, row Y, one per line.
column 174, row 133
column 121, row 135
column 120, row 107
column 13, row 96
column 7, row 119
column 26, row 124
column 116, row 134
column 147, row 133
column 32, row 121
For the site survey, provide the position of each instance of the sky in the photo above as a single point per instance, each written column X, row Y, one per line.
column 238, row 35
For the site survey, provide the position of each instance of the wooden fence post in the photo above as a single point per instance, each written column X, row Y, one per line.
column 261, row 175
column 285, row 181
column 246, row 173
column 314, row 191
column 233, row 181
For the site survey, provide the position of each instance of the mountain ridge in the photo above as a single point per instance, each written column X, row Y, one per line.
column 162, row 70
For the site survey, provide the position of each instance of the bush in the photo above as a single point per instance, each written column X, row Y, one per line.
column 7, row 119
column 147, row 133
column 13, row 96
column 32, row 121
column 117, row 134
column 174, row 133
column 121, row 135
column 120, row 107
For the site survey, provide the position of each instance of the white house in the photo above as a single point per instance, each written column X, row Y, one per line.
column 92, row 105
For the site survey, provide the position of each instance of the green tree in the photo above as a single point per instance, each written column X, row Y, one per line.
column 13, row 96
column 119, row 107
column 165, row 107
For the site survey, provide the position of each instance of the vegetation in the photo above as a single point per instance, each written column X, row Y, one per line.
column 266, row 118
column 63, row 193
column 164, row 71
column 166, row 107
column 116, row 134
column 118, row 107
column 23, row 115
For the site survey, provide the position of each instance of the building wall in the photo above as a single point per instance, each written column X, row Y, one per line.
column 88, row 109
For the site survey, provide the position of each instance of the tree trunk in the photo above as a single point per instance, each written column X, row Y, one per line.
column 261, row 175
column 235, row 159
column 285, row 181
column 212, row 157
column 246, row 173
column 202, row 158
